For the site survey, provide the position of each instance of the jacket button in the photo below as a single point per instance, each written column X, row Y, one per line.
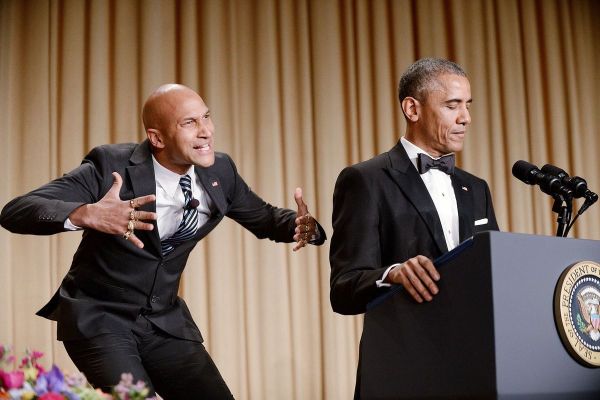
column 155, row 299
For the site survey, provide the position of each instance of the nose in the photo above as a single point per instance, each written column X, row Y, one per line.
column 464, row 117
column 205, row 127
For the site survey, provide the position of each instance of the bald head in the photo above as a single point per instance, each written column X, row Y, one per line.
column 160, row 105
column 179, row 128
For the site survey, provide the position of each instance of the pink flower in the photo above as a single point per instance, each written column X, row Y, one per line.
column 12, row 380
column 52, row 396
column 40, row 369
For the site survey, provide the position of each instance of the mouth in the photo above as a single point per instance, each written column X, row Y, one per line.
column 203, row 148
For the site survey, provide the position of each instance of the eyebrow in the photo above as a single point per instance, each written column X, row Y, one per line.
column 457, row 101
column 194, row 117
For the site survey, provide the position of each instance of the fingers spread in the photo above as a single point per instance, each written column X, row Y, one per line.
column 116, row 185
column 136, row 242
column 299, row 245
column 140, row 201
column 306, row 220
column 145, row 216
column 143, row 226
column 300, row 236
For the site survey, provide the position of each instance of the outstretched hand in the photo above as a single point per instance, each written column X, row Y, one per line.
column 306, row 226
column 115, row 216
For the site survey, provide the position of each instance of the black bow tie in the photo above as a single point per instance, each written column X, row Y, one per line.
column 444, row 164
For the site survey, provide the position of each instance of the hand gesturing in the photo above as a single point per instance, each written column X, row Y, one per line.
column 306, row 226
column 115, row 216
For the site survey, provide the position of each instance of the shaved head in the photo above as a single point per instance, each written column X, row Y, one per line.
column 179, row 128
column 160, row 105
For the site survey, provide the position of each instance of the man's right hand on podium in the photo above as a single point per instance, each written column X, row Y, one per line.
column 417, row 276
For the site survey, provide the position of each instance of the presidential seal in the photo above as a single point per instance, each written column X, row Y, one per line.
column 577, row 311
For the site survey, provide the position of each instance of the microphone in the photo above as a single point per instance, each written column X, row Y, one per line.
column 531, row 175
column 590, row 199
column 576, row 184
column 193, row 203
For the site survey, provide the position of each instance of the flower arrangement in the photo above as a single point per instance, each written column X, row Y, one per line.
column 30, row 381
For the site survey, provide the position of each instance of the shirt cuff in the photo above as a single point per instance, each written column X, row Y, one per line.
column 316, row 237
column 381, row 283
column 70, row 227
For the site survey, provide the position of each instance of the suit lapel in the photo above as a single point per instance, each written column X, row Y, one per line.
column 464, row 202
column 213, row 187
column 407, row 178
column 141, row 176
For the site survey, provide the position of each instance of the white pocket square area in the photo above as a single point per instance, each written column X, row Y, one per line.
column 482, row 221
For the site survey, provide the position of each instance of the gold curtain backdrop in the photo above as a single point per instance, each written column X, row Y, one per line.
column 298, row 89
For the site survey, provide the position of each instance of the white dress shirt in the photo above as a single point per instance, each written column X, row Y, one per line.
column 439, row 186
column 170, row 199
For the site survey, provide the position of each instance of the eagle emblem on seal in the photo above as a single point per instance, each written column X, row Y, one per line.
column 588, row 318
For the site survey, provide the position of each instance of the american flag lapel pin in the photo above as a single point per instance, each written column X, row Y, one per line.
column 215, row 184
column 465, row 189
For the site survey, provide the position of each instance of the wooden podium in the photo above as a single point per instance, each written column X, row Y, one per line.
column 489, row 334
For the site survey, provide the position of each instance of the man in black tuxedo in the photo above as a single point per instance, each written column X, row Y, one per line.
column 142, row 208
column 395, row 213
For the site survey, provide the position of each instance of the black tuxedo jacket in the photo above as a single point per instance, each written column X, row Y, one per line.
column 111, row 281
column 383, row 214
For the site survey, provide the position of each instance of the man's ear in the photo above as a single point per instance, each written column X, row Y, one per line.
column 155, row 138
column 411, row 108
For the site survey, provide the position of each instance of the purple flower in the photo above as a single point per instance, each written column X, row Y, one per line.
column 75, row 379
column 51, row 381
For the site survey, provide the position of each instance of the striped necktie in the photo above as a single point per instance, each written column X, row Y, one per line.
column 187, row 227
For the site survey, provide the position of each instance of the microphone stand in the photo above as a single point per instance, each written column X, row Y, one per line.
column 563, row 206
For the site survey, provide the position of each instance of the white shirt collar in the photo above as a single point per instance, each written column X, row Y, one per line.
column 168, row 179
column 412, row 150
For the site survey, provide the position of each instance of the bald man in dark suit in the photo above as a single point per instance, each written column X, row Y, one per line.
column 395, row 213
column 142, row 208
